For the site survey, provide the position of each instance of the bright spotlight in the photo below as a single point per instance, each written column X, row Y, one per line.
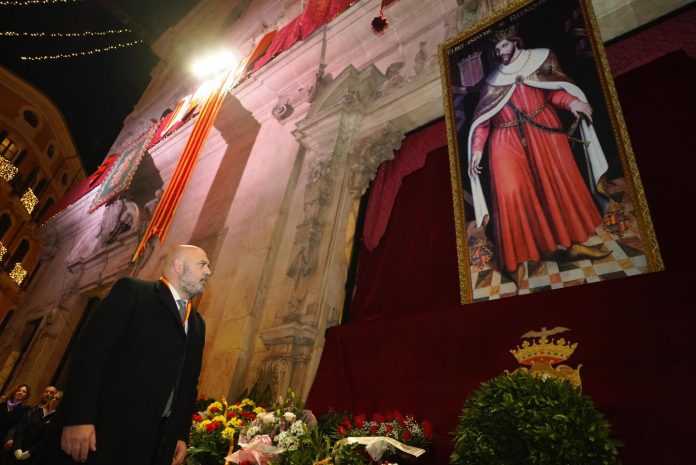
column 212, row 63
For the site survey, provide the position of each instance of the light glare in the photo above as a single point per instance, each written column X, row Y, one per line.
column 213, row 63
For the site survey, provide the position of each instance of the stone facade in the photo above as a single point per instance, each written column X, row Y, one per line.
column 275, row 193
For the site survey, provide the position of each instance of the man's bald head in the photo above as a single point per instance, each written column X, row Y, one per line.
column 187, row 268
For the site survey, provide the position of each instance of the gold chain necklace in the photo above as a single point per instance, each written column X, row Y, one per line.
column 529, row 55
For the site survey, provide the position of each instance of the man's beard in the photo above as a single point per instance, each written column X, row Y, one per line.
column 192, row 287
column 505, row 58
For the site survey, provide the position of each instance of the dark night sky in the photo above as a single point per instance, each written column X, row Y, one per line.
column 95, row 93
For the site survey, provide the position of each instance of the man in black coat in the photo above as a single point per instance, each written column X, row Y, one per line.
column 133, row 378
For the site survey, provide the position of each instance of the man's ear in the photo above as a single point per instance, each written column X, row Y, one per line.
column 178, row 266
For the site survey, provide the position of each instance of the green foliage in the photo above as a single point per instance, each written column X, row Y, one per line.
column 350, row 454
column 313, row 447
column 521, row 419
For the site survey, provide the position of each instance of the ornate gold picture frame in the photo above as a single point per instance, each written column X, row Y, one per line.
column 546, row 190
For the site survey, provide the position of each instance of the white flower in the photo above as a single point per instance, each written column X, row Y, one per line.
column 286, row 441
column 267, row 418
column 297, row 428
column 253, row 431
column 289, row 417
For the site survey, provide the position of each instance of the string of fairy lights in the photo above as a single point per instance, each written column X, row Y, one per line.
column 64, row 35
column 34, row 2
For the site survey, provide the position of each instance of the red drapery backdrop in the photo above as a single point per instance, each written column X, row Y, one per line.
column 315, row 14
column 408, row 344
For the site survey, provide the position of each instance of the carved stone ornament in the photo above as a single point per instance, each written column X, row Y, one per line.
column 119, row 217
column 370, row 153
column 287, row 102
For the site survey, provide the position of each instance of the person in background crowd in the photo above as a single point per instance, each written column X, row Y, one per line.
column 11, row 413
column 30, row 432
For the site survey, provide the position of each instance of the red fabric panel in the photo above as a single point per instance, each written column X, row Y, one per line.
column 80, row 189
column 316, row 14
column 409, row 158
column 410, row 345
column 676, row 33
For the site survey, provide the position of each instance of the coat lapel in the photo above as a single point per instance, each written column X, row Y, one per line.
column 164, row 295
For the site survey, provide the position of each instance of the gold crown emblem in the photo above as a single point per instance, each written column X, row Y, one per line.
column 543, row 352
column 504, row 33
column 542, row 348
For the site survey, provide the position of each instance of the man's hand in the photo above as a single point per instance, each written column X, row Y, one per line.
column 78, row 440
column 475, row 164
column 179, row 453
column 579, row 109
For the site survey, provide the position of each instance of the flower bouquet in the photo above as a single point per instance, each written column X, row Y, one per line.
column 286, row 434
column 213, row 430
column 383, row 435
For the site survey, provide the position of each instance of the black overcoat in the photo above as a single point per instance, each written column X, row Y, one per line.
column 124, row 367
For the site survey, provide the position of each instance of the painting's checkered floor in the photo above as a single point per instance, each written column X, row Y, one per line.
column 626, row 259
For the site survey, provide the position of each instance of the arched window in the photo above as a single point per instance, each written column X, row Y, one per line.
column 20, row 158
column 5, row 224
column 40, row 186
column 6, row 320
column 31, row 118
column 8, row 148
column 19, row 254
column 49, row 203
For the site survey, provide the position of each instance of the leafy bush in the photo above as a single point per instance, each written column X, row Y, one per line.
column 522, row 419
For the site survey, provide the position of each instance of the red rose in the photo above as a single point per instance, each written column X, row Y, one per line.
column 389, row 428
column 378, row 417
column 373, row 429
column 341, row 431
column 359, row 420
column 346, row 423
column 197, row 417
column 210, row 427
column 427, row 430
column 213, row 409
column 405, row 436
column 231, row 415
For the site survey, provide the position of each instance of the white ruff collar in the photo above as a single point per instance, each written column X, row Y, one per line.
column 525, row 64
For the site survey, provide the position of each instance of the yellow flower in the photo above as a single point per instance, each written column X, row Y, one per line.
column 201, row 426
column 258, row 410
column 249, row 402
column 235, row 422
column 220, row 418
column 228, row 433
column 235, row 408
column 215, row 405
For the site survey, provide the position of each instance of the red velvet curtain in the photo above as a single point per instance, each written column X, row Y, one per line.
column 408, row 344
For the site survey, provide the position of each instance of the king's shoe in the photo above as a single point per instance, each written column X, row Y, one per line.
column 581, row 251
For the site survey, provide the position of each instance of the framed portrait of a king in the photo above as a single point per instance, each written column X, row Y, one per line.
column 546, row 189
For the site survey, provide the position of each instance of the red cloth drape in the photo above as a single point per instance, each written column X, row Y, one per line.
column 315, row 14
column 164, row 213
column 80, row 189
column 408, row 344
column 409, row 158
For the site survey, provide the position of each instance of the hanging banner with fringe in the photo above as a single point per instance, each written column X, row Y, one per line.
column 123, row 170
column 164, row 213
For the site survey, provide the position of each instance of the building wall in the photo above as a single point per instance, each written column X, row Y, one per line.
column 275, row 192
column 36, row 145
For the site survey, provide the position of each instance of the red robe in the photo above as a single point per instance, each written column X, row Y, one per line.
column 540, row 199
